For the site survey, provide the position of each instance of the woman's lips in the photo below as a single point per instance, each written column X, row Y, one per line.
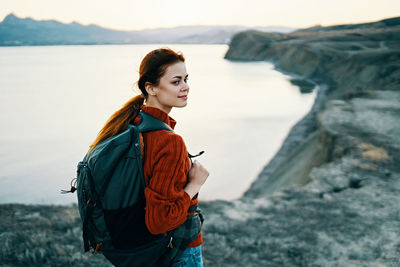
column 183, row 97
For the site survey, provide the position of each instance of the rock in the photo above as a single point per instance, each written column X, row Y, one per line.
column 304, row 85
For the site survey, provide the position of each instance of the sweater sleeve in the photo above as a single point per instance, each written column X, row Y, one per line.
column 166, row 201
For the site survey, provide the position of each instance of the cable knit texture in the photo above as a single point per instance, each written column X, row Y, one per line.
column 166, row 165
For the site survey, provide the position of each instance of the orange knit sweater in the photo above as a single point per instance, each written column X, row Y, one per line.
column 166, row 166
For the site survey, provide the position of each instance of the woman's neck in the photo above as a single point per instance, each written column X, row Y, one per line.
column 156, row 104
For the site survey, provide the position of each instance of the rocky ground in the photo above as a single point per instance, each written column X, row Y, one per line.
column 330, row 197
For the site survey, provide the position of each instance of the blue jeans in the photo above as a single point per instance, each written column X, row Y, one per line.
column 191, row 257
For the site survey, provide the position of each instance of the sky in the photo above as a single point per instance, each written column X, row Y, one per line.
column 146, row 14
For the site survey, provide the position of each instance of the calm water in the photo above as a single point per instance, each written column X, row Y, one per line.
column 54, row 100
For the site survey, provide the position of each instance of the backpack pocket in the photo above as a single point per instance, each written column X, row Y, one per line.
column 93, row 224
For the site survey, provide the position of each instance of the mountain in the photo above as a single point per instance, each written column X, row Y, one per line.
column 15, row 31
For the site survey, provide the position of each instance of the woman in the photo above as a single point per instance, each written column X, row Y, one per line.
column 172, row 180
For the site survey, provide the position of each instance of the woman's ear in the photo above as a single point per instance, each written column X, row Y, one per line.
column 150, row 88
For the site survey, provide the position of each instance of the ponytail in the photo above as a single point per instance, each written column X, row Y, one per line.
column 119, row 121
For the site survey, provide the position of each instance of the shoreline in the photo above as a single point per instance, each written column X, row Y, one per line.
column 270, row 179
column 347, row 146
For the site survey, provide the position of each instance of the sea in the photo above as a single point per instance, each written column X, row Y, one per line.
column 55, row 99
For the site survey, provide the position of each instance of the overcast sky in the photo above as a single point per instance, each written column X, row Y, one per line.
column 134, row 14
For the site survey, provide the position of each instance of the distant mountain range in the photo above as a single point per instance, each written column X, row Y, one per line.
column 15, row 31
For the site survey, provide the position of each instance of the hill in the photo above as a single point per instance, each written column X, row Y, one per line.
column 15, row 31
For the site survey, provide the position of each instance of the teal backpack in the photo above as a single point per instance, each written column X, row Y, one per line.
column 110, row 187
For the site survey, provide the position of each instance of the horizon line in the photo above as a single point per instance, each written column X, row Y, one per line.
column 194, row 25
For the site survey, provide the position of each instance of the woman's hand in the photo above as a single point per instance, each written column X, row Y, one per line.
column 197, row 177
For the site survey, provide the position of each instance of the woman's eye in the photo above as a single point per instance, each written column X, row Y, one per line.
column 176, row 82
column 186, row 80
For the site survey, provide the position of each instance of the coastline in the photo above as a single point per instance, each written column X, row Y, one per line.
column 325, row 58
column 347, row 148
column 300, row 142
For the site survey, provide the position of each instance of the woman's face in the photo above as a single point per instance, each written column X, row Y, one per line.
column 172, row 90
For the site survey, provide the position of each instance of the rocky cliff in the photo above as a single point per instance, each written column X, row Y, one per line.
column 348, row 63
column 330, row 197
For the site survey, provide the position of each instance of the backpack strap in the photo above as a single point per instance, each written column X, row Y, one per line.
column 192, row 208
column 151, row 123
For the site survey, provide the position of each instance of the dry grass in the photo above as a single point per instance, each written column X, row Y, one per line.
column 373, row 153
column 366, row 167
